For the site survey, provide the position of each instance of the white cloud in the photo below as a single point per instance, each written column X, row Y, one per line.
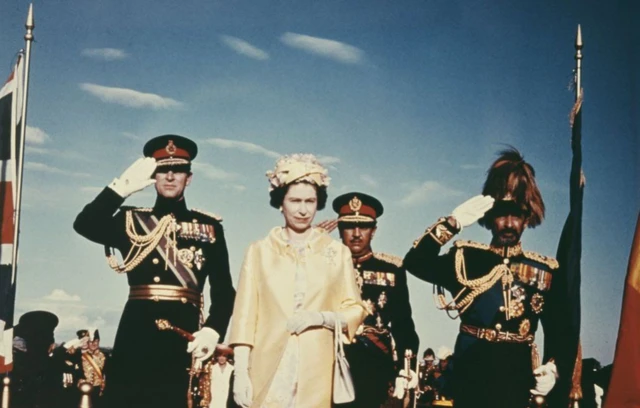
column 244, row 48
column 212, row 172
column 36, row 136
column 368, row 180
column 45, row 168
column 105, row 54
column 130, row 97
column 243, row 146
column 72, row 312
column 428, row 191
column 59, row 295
column 65, row 154
column 331, row 49
column 328, row 160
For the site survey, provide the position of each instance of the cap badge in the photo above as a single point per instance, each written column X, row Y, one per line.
column 508, row 197
column 171, row 148
column 355, row 205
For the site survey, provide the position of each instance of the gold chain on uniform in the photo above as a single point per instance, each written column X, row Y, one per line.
column 475, row 287
column 143, row 245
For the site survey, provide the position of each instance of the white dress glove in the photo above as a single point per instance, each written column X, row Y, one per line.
column 204, row 343
column 472, row 210
column 302, row 320
column 135, row 178
column 546, row 376
column 76, row 343
column 242, row 387
column 402, row 383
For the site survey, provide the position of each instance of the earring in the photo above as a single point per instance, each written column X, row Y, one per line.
column 280, row 208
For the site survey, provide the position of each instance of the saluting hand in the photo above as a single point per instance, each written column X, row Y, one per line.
column 472, row 210
column 135, row 178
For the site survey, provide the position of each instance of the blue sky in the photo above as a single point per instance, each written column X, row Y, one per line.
column 408, row 101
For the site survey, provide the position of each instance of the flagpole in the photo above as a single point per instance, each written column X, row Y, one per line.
column 28, row 38
column 578, row 79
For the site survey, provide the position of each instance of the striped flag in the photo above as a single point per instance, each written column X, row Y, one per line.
column 10, row 130
column 624, row 388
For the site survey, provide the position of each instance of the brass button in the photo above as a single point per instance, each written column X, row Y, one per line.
column 498, row 326
column 505, row 261
column 183, row 299
column 156, row 279
column 156, row 299
column 195, row 220
column 155, row 261
column 502, row 308
column 193, row 249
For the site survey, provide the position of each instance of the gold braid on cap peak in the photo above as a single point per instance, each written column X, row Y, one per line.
column 298, row 167
column 510, row 178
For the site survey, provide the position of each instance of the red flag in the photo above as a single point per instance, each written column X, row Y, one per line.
column 10, row 122
column 624, row 388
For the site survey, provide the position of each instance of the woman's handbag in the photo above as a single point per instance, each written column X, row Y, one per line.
column 343, row 390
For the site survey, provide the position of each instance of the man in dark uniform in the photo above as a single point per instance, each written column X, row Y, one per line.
column 89, row 364
column 377, row 354
column 169, row 251
column 500, row 291
column 38, row 371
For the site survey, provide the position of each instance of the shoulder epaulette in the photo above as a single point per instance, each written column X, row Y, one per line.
column 208, row 214
column 470, row 244
column 392, row 259
column 550, row 262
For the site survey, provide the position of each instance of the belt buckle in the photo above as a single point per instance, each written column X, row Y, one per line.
column 488, row 334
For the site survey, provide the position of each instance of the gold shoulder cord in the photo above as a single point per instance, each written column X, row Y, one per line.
column 141, row 245
column 475, row 287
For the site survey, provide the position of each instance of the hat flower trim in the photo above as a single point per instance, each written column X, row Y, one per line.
column 298, row 167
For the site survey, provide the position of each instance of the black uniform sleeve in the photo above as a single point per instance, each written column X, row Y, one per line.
column 97, row 222
column 403, row 328
column 423, row 260
column 222, row 293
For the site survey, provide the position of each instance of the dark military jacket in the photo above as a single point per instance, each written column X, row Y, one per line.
column 497, row 289
column 385, row 294
column 200, row 234
column 197, row 251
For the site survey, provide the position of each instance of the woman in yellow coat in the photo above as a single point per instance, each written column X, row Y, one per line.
column 295, row 286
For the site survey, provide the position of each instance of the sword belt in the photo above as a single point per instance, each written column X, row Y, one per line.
column 159, row 293
column 496, row 336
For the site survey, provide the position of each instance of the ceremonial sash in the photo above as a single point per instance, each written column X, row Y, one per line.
column 93, row 363
column 184, row 274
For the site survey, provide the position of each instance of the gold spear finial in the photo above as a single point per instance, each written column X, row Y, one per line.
column 578, row 73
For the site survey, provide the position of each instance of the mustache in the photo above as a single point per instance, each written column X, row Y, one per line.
column 508, row 231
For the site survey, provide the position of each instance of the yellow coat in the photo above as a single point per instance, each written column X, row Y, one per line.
column 264, row 302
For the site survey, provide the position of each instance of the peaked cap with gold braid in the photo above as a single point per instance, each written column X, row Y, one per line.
column 357, row 208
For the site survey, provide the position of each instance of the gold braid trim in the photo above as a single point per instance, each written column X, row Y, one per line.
column 474, row 287
column 438, row 231
column 392, row 259
column 550, row 262
column 142, row 245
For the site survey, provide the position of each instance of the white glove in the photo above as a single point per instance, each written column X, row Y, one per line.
column 242, row 387
column 302, row 320
column 76, row 343
column 472, row 210
column 204, row 343
column 135, row 178
column 546, row 376
column 67, row 379
column 399, row 389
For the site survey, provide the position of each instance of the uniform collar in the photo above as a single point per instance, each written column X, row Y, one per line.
column 506, row 251
column 164, row 206
column 361, row 259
